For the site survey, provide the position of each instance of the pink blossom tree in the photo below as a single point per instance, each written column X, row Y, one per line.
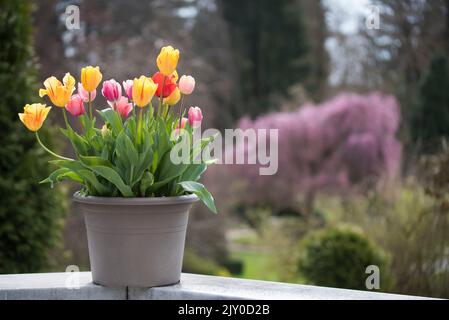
column 345, row 144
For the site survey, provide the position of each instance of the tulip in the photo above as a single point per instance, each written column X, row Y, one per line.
column 128, row 85
column 181, row 125
column 111, row 90
column 34, row 116
column 59, row 93
column 143, row 90
column 186, row 84
column 106, row 133
column 169, row 86
column 91, row 77
column 76, row 105
column 167, row 60
column 195, row 116
column 173, row 98
column 174, row 76
column 85, row 94
column 123, row 106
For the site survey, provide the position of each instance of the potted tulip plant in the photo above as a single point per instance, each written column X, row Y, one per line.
column 135, row 199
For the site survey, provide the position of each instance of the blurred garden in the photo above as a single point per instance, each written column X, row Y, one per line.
column 359, row 91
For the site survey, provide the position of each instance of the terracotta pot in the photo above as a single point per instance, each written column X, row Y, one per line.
column 136, row 242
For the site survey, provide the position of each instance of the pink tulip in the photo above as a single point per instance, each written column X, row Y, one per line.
column 181, row 125
column 123, row 106
column 84, row 94
column 111, row 90
column 128, row 85
column 195, row 117
column 186, row 84
column 76, row 105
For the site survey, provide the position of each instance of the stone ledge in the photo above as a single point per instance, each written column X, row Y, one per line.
column 53, row 286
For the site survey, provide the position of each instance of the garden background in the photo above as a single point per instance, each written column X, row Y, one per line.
column 362, row 113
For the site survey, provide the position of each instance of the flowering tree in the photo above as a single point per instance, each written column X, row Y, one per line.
column 348, row 142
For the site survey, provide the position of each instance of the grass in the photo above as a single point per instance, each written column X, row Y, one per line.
column 256, row 265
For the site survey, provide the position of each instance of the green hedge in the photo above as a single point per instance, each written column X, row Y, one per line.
column 338, row 257
column 31, row 215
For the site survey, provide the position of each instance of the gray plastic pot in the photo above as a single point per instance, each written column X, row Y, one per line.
column 136, row 242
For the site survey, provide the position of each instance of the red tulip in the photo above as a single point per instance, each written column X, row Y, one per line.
column 169, row 87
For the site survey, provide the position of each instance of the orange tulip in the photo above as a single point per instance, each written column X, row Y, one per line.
column 34, row 115
column 59, row 93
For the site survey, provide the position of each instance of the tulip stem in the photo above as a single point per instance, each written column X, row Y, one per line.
column 161, row 97
column 180, row 108
column 65, row 118
column 90, row 106
column 49, row 151
column 139, row 126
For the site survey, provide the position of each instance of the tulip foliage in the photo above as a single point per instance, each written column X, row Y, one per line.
column 130, row 156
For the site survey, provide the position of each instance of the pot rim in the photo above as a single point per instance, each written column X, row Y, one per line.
column 135, row 201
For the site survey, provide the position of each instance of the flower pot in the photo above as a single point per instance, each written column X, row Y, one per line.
column 136, row 242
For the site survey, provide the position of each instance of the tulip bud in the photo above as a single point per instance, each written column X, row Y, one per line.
column 186, row 84
column 105, row 132
column 143, row 91
column 85, row 94
column 123, row 106
column 91, row 77
column 128, row 86
column 76, row 105
column 111, row 90
column 195, row 117
column 167, row 60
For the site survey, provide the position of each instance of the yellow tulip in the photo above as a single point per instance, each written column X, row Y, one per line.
column 167, row 60
column 90, row 78
column 59, row 93
column 173, row 98
column 175, row 76
column 34, row 115
column 144, row 89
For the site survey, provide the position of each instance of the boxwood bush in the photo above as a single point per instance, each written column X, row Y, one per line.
column 338, row 257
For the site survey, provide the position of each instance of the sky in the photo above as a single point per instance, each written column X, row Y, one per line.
column 344, row 14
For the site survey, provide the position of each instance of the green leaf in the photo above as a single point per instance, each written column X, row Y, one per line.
column 95, row 161
column 112, row 176
column 61, row 174
column 200, row 145
column 202, row 193
column 146, row 182
column 126, row 148
column 80, row 144
column 193, row 172
column 113, row 119
column 168, row 170
column 86, row 175
column 93, row 180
